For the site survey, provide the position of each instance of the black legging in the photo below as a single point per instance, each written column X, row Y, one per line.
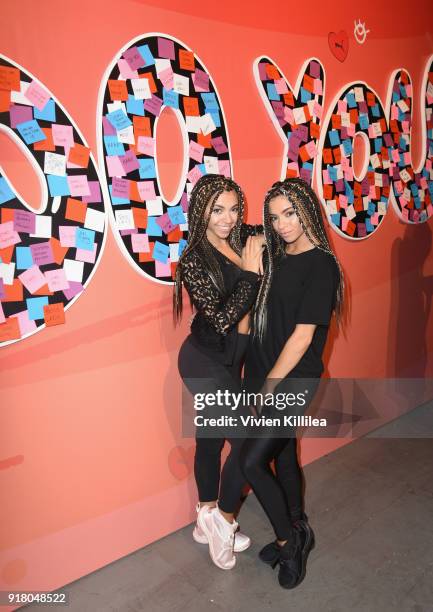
column 280, row 494
column 193, row 366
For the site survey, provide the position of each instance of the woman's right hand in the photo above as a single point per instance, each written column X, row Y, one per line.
column 252, row 253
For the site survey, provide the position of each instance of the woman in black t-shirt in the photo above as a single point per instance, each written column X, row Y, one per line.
column 302, row 287
column 222, row 281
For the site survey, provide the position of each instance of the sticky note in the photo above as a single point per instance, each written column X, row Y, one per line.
column 58, row 185
column 47, row 113
column 32, row 279
column 30, row 131
column 160, row 252
column 54, row 314
column 35, row 307
column 37, row 95
column 176, row 215
column 24, row 258
column 73, row 270
column 63, row 135
column 55, row 164
column 141, row 89
column 84, row 239
column 118, row 119
column 56, row 279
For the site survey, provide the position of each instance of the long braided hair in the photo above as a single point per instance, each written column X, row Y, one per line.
column 207, row 190
column 308, row 210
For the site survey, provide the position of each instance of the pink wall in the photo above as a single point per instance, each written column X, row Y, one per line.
column 92, row 462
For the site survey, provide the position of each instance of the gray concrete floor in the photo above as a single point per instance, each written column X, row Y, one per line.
column 371, row 506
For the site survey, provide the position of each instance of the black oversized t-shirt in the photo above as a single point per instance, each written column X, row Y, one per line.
column 303, row 290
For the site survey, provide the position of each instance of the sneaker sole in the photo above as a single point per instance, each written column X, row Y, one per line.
column 203, row 527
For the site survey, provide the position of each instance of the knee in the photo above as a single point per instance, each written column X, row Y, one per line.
column 249, row 465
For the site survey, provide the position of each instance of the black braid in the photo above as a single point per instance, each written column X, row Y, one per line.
column 308, row 210
column 207, row 189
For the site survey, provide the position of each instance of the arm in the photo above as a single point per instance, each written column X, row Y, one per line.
column 293, row 350
column 206, row 298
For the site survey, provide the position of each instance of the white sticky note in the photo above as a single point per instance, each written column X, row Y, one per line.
column 124, row 219
column 127, row 134
column 141, row 89
column 95, row 220
column 55, row 164
column 181, row 84
column 42, row 227
column 154, row 207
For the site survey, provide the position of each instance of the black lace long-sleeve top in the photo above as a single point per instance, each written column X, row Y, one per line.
column 214, row 328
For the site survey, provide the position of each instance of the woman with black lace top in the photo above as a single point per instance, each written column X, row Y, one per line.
column 222, row 280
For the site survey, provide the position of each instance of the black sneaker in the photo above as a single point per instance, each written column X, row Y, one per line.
column 292, row 569
column 307, row 541
column 270, row 554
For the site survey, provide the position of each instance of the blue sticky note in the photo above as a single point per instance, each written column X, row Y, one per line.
column 202, row 168
column 170, row 98
column 347, row 146
column 371, row 208
column 160, row 252
column 116, row 200
column 84, row 239
column 334, row 137
column 335, row 218
column 147, row 168
column 113, row 146
column 31, row 132
column 351, row 101
column 417, row 202
column 305, row 95
column 146, row 54
column 272, row 92
column 182, row 246
column 6, row 192
column 375, row 111
column 118, row 119
column 35, row 306
column 48, row 113
column 176, row 215
column 363, row 121
column 378, row 144
column 58, row 185
column 153, row 229
column 210, row 101
column 215, row 116
column 332, row 171
column 24, row 258
column 414, row 189
column 368, row 225
column 135, row 107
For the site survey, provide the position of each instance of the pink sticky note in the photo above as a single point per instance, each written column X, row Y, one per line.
column 146, row 189
column 166, row 48
column 134, row 58
column 196, row 151
column 219, row 145
column 25, row 324
column 32, row 279
column 8, row 236
column 311, row 149
column 95, row 193
column 140, row 243
column 317, row 86
column 194, row 175
column 67, row 235
column 162, row 269
column 224, row 167
column 200, row 80
column 129, row 162
column 37, row 95
column 56, row 279
column 146, row 145
column 86, row 255
column 20, row 114
column 281, row 86
column 166, row 78
column 126, row 71
column 317, row 110
column 344, row 223
column 62, row 135
column 165, row 224
column 293, row 167
column 78, row 185
column 2, row 314
column 288, row 115
column 153, row 105
column 114, row 166
column 342, row 106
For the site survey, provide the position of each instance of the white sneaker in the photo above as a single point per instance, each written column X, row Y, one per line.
column 242, row 541
column 220, row 536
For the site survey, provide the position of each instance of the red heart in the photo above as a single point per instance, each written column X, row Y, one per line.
column 339, row 44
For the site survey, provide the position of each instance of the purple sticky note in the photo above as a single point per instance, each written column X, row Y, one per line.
column 74, row 288
column 339, row 186
column 219, row 145
column 20, row 114
column 166, row 48
column 134, row 58
column 278, row 109
column 129, row 161
column 42, row 253
column 153, row 105
column 109, row 129
column 302, row 131
column 24, row 221
column 95, row 194
column 184, row 202
column 362, row 230
column 314, row 70
column 201, row 80
column 120, row 188
column 305, row 174
column 165, row 224
column 128, row 232
column 262, row 72
column 2, row 291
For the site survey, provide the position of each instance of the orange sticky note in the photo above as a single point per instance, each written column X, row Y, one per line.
column 5, row 100
column 79, row 155
column 9, row 78
column 141, row 126
column 76, row 210
column 54, row 314
column 308, row 83
column 9, row 330
column 336, row 121
column 175, row 235
column 43, row 291
column 350, row 228
column 14, row 292
column 173, row 266
column 149, row 77
column 327, row 192
column 327, row 156
column 337, row 154
column 118, row 90
column 142, row 257
column 134, row 194
column 7, row 214
column 204, row 141
column 314, row 130
column 47, row 144
column 190, row 106
column 140, row 217
column 186, row 60
column 289, row 99
column 58, row 250
column 6, row 254
column 272, row 72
